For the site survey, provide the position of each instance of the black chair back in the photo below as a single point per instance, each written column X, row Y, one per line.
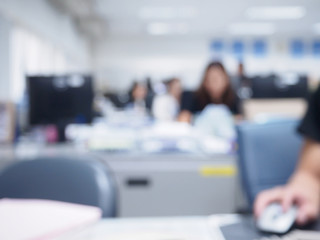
column 82, row 181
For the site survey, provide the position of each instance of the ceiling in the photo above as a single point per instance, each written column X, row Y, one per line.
column 101, row 18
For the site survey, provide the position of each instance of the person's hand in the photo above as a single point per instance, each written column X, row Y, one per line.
column 185, row 116
column 302, row 190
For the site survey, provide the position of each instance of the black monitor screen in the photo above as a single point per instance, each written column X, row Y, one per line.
column 277, row 87
column 56, row 99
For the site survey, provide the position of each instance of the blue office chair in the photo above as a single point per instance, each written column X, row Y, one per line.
column 82, row 181
column 268, row 153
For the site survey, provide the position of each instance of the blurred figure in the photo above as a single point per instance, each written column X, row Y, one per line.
column 244, row 83
column 215, row 88
column 303, row 189
column 166, row 107
column 137, row 102
column 240, row 69
column 150, row 94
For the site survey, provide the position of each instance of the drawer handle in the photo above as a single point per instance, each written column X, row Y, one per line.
column 138, row 182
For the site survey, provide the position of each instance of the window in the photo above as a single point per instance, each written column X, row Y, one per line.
column 31, row 55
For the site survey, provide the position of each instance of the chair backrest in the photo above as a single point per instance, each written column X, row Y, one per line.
column 82, row 181
column 268, row 153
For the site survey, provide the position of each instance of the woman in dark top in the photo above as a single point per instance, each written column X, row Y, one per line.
column 215, row 88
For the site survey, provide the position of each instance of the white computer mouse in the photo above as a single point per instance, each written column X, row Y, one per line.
column 274, row 220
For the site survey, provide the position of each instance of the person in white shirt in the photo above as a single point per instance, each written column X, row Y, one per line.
column 166, row 107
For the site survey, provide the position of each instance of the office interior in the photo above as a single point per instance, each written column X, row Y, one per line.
column 93, row 96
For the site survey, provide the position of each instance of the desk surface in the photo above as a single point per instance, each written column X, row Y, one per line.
column 173, row 228
column 31, row 150
column 215, row 227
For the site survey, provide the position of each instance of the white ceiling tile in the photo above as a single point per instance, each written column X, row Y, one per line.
column 202, row 17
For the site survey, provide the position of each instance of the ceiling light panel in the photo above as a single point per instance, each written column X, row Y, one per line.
column 276, row 13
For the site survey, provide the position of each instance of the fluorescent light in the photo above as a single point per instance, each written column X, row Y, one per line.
column 252, row 29
column 167, row 12
column 316, row 28
column 161, row 28
column 276, row 13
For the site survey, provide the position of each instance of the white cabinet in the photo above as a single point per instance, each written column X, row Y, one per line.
column 174, row 184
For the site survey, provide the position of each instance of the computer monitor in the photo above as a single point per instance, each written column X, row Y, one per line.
column 290, row 86
column 60, row 100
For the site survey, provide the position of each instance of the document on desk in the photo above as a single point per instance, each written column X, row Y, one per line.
column 22, row 219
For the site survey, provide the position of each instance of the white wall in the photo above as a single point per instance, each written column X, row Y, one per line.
column 44, row 20
column 47, row 24
column 4, row 59
column 117, row 61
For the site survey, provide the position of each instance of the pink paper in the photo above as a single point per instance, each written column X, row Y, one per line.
column 24, row 219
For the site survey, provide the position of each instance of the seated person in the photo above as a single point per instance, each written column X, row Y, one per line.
column 215, row 88
column 303, row 188
column 137, row 98
column 166, row 107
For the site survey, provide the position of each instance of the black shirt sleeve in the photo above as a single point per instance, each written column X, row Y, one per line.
column 235, row 107
column 188, row 101
column 310, row 124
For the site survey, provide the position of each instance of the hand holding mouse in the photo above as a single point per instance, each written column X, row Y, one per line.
column 303, row 190
column 275, row 220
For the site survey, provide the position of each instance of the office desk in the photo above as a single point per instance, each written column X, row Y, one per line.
column 166, row 184
column 174, row 228
column 215, row 227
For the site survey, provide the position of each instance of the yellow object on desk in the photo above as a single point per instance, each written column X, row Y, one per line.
column 214, row 171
